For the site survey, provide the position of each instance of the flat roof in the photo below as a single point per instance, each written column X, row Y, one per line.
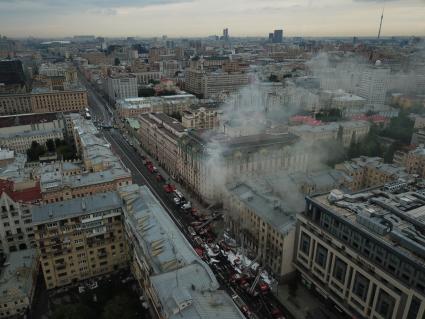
column 75, row 207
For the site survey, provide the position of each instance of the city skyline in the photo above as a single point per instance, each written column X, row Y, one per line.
column 197, row 18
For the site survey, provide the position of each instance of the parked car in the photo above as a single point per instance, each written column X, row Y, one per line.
column 191, row 231
column 159, row 178
column 169, row 188
column 176, row 200
column 186, row 205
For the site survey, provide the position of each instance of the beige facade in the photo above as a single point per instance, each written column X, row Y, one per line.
column 415, row 161
column 80, row 238
column 21, row 141
column 206, row 162
column 200, row 118
column 367, row 172
column 368, row 272
column 264, row 227
column 159, row 134
column 42, row 102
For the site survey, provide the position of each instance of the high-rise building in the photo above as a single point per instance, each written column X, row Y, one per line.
column 278, row 36
column 374, row 84
column 121, row 86
column 12, row 78
column 226, row 34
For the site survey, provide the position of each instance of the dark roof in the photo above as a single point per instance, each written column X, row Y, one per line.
column 26, row 119
column 11, row 72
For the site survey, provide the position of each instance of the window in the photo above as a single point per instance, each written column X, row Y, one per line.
column 361, row 286
column 340, row 269
column 305, row 243
column 321, row 255
column 385, row 305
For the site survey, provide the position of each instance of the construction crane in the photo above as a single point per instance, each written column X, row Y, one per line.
column 379, row 31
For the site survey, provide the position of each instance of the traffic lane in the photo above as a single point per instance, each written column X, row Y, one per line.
column 222, row 275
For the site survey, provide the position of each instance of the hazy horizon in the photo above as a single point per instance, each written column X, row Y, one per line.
column 201, row 18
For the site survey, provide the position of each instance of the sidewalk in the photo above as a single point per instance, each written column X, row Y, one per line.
column 195, row 203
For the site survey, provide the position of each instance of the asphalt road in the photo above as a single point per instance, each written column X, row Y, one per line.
column 261, row 305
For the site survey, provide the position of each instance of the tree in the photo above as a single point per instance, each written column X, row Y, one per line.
column 35, row 151
column 117, row 62
column 50, row 144
column 121, row 306
column 400, row 128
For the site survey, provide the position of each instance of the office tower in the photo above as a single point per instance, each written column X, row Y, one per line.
column 374, row 84
column 278, row 36
column 226, row 34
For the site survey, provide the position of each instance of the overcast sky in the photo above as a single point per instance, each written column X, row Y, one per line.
column 57, row 18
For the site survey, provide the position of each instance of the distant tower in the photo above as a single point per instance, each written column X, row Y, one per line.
column 278, row 36
column 226, row 34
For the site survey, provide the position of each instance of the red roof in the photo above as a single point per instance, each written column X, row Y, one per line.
column 27, row 195
column 305, row 120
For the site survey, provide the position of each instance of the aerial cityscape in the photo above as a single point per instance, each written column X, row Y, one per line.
column 197, row 159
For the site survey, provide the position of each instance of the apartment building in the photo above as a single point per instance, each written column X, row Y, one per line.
column 264, row 225
column 200, row 118
column 159, row 134
column 365, row 251
column 21, row 141
column 374, row 84
column 43, row 101
column 171, row 276
column 16, row 200
column 208, row 160
column 132, row 107
column 18, row 274
column 121, row 86
column 66, row 180
column 364, row 172
column 80, row 238
column 146, row 77
column 414, row 161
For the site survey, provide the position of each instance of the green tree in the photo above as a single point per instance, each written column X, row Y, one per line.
column 35, row 151
column 50, row 144
column 121, row 306
column 400, row 128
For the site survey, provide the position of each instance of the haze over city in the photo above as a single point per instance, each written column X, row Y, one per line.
column 195, row 18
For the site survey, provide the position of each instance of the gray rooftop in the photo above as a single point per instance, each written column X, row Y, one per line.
column 75, row 207
column 16, row 277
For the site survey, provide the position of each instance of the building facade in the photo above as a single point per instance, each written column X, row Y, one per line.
column 80, row 238
column 365, row 251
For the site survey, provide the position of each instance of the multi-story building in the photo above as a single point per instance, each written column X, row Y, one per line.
column 21, row 141
column 43, row 101
column 132, row 107
column 200, row 118
column 16, row 200
column 121, row 86
column 364, row 172
column 207, row 161
column 374, row 84
column 80, row 238
column 414, row 161
column 264, row 225
column 344, row 132
column 365, row 251
column 66, row 180
column 159, row 135
column 12, row 78
column 18, row 278
column 171, row 276
column 146, row 77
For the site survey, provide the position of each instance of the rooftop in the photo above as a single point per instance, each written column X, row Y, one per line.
column 75, row 207
column 26, row 119
column 16, row 277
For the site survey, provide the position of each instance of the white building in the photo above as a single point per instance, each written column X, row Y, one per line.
column 121, row 86
column 374, row 84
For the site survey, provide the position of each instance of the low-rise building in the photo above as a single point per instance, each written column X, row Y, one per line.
column 365, row 251
column 18, row 277
column 80, row 238
column 21, row 141
column 172, row 277
column 414, row 161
